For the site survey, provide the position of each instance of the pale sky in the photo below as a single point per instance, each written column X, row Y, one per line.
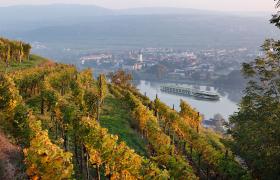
column 221, row 5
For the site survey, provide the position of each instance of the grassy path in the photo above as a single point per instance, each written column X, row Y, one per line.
column 115, row 117
column 14, row 66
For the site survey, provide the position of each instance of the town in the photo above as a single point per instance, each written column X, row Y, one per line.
column 168, row 64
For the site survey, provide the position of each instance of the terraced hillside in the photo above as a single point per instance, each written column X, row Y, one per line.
column 69, row 125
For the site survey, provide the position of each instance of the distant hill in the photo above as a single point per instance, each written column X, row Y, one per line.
column 87, row 27
column 186, row 11
column 161, row 11
column 192, row 31
column 33, row 16
column 76, row 10
column 44, row 12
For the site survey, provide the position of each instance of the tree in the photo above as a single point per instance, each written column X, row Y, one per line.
column 256, row 127
column 12, row 108
column 102, row 92
column 69, row 113
column 121, row 78
column 118, row 160
column 44, row 159
column 219, row 122
column 158, row 70
column 102, row 87
column 26, row 50
column 20, row 51
column 190, row 115
column 9, row 95
column 20, row 124
column 91, row 101
column 13, row 50
column 86, row 78
column 5, row 50
column 141, row 114
column 48, row 97
column 276, row 17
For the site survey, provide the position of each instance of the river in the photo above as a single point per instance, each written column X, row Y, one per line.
column 225, row 106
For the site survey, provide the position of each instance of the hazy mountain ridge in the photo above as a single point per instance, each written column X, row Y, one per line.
column 84, row 27
column 60, row 10
column 156, row 30
column 61, row 13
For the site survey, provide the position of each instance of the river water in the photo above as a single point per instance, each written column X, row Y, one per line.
column 225, row 106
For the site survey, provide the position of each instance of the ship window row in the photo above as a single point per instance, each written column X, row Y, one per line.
column 176, row 90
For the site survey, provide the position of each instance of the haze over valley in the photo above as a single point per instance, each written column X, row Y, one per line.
column 140, row 89
column 81, row 29
column 176, row 45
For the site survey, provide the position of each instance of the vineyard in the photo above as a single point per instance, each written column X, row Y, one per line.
column 72, row 126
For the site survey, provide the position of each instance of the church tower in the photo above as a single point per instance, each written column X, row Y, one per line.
column 140, row 57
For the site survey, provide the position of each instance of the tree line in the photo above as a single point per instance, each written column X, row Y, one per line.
column 255, row 128
column 12, row 50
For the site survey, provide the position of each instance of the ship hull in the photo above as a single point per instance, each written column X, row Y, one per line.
column 190, row 93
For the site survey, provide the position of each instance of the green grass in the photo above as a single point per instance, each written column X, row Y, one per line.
column 14, row 66
column 115, row 117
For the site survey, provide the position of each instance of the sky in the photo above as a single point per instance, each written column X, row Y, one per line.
column 221, row 5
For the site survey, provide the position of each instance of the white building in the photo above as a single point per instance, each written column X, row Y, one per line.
column 140, row 58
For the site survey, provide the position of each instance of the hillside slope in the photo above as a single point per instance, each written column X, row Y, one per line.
column 60, row 116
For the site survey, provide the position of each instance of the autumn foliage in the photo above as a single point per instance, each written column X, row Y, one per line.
column 53, row 111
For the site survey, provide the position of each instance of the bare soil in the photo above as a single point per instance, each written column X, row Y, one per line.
column 11, row 160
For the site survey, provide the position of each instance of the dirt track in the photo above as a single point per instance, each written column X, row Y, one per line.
column 10, row 160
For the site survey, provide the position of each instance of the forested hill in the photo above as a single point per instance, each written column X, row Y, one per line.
column 72, row 126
